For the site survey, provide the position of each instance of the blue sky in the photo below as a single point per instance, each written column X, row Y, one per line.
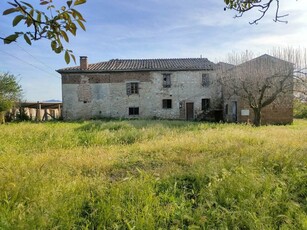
column 149, row 29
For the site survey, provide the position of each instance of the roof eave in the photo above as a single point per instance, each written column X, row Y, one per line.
column 132, row 70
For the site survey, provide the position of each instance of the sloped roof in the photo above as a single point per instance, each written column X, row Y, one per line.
column 265, row 57
column 224, row 66
column 121, row 65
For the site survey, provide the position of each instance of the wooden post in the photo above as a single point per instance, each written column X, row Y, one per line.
column 59, row 111
column 31, row 114
column 38, row 112
column 14, row 112
column 45, row 118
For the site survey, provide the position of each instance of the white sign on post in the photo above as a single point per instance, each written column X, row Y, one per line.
column 245, row 112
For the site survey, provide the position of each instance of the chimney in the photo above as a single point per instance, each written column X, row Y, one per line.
column 83, row 63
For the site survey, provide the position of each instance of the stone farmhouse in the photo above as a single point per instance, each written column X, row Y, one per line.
column 152, row 88
column 181, row 88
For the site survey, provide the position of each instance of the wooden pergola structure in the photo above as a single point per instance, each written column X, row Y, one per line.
column 41, row 111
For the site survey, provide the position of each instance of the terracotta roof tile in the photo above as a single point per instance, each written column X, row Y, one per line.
column 145, row 65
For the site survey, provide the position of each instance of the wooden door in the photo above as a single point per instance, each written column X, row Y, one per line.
column 190, row 111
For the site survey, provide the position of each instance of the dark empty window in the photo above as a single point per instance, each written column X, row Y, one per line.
column 166, row 80
column 205, row 80
column 205, row 104
column 226, row 109
column 133, row 110
column 167, row 103
column 132, row 88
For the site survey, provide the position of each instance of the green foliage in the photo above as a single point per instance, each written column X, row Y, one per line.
column 299, row 109
column 171, row 175
column 239, row 4
column 53, row 25
column 9, row 91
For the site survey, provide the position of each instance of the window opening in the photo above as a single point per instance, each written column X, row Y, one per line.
column 205, row 104
column 167, row 103
column 166, row 80
column 132, row 88
column 133, row 111
column 205, row 80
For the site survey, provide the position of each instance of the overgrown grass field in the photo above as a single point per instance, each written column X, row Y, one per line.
column 143, row 174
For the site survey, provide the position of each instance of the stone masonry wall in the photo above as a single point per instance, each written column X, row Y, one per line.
column 104, row 95
column 279, row 112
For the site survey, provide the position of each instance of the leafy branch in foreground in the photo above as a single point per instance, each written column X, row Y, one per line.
column 242, row 6
column 54, row 26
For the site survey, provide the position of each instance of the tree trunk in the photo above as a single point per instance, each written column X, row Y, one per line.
column 2, row 119
column 257, row 117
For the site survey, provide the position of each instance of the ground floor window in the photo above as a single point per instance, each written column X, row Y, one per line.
column 167, row 103
column 133, row 110
column 205, row 104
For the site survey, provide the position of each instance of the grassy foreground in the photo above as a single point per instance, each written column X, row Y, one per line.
column 152, row 175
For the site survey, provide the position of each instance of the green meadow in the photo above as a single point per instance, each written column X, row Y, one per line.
column 142, row 174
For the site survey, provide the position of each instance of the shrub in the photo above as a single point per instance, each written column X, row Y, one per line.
column 300, row 109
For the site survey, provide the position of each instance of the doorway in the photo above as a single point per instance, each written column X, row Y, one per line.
column 190, row 111
column 234, row 111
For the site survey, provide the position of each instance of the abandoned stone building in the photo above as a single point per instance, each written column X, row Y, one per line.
column 266, row 81
column 151, row 88
column 185, row 89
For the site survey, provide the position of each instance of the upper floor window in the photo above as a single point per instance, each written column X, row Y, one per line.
column 132, row 88
column 205, row 81
column 167, row 103
column 166, row 80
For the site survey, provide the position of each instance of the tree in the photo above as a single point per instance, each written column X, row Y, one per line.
column 52, row 24
column 10, row 92
column 262, row 81
column 243, row 6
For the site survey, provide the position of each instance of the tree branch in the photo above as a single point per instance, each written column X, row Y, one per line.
column 32, row 19
column 243, row 6
column 279, row 89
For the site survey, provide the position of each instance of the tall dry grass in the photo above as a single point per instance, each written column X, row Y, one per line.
column 144, row 174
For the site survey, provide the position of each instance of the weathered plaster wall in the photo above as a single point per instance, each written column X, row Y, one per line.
column 104, row 95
